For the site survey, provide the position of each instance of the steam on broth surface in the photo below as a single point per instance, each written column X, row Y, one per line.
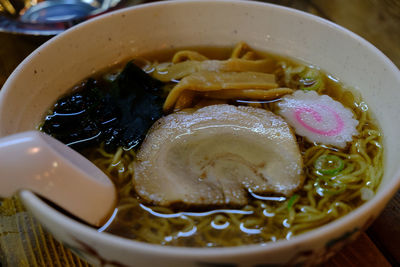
column 337, row 179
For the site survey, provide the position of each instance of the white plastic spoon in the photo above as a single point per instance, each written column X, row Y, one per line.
column 38, row 162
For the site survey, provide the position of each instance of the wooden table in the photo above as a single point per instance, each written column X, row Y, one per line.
column 378, row 21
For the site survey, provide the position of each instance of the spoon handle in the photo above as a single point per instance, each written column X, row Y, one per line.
column 38, row 162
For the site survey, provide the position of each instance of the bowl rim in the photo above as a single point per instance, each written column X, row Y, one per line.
column 382, row 196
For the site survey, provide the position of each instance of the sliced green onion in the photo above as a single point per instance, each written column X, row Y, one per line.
column 311, row 80
column 329, row 164
column 291, row 201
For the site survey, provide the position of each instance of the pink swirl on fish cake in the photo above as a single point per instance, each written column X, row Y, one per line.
column 317, row 117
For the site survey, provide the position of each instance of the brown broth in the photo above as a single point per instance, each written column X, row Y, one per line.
column 266, row 218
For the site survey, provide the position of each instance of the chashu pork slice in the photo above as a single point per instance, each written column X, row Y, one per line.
column 216, row 155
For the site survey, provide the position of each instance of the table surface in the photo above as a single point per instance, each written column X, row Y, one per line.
column 23, row 242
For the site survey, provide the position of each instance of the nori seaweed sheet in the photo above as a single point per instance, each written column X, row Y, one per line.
column 118, row 113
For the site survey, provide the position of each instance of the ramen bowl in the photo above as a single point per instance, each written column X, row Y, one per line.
column 59, row 64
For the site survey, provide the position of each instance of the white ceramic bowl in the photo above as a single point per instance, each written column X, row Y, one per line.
column 68, row 58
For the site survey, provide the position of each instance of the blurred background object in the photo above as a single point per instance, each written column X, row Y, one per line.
column 50, row 17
